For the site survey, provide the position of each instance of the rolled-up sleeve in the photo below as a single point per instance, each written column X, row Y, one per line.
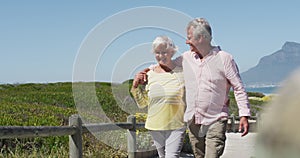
column 241, row 97
column 140, row 96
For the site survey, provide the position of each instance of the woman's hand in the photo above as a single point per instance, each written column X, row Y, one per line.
column 140, row 78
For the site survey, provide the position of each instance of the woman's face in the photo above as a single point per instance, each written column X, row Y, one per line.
column 163, row 56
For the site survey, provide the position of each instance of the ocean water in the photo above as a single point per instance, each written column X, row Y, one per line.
column 264, row 90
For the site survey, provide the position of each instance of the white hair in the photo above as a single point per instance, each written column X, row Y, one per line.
column 164, row 40
column 201, row 27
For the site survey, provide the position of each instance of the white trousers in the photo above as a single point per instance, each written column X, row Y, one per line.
column 168, row 142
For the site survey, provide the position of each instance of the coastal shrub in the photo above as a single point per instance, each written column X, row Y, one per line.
column 267, row 98
column 255, row 100
column 50, row 104
column 33, row 115
column 141, row 117
column 255, row 94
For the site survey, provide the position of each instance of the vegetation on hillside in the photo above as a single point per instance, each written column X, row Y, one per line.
column 52, row 104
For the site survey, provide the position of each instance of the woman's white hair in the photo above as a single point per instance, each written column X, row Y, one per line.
column 164, row 40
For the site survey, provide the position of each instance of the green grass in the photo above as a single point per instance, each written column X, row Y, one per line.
column 52, row 104
column 255, row 105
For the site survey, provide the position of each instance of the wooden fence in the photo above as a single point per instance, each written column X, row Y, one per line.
column 76, row 129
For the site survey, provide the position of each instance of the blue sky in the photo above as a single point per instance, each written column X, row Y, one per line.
column 42, row 40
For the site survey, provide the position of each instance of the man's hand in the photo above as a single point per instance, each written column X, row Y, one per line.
column 244, row 125
column 140, row 78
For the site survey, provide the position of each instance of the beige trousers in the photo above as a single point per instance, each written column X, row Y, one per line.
column 208, row 141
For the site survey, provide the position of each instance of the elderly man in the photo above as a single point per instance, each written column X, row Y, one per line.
column 209, row 73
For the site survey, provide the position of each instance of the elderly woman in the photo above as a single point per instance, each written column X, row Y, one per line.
column 164, row 96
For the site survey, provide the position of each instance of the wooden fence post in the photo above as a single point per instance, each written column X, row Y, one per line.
column 233, row 123
column 258, row 125
column 75, row 140
column 131, row 137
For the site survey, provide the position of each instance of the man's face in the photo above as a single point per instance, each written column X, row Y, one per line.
column 191, row 40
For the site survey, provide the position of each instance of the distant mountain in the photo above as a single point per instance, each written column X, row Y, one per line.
column 274, row 68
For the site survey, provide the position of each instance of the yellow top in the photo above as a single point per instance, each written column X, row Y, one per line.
column 164, row 96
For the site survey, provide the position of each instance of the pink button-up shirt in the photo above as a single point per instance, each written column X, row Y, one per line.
column 208, row 82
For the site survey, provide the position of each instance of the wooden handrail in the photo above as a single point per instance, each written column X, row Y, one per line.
column 76, row 129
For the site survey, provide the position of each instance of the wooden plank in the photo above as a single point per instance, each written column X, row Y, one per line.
column 104, row 127
column 35, row 131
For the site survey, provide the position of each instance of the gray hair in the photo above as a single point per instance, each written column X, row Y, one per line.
column 201, row 27
column 164, row 40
